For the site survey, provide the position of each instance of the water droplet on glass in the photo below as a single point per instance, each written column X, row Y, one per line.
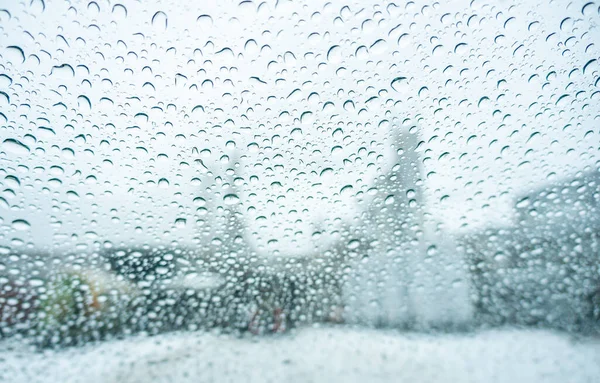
column 20, row 225
column 231, row 199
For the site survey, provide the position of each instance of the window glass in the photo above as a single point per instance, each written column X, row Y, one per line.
column 299, row 191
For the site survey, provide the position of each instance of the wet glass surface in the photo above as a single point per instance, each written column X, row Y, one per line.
column 299, row 191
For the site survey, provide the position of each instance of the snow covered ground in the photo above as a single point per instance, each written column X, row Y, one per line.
column 316, row 355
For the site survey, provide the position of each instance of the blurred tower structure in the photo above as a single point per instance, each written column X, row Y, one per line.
column 406, row 273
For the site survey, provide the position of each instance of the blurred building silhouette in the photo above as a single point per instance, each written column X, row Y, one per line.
column 568, row 205
column 545, row 270
column 405, row 273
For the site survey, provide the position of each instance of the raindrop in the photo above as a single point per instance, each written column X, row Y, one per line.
column 119, row 11
column 38, row 5
column 327, row 172
column 353, row 244
column 378, row 47
column 400, row 84
column 231, row 199
column 346, row 190
column 36, row 282
column 522, row 203
column 62, row 71
column 404, row 40
column 163, row 183
column 205, row 22
column 460, row 48
column 307, row 117
column 5, row 81
column 159, row 20
column 72, row 195
column 15, row 54
column 84, row 102
column 432, row 250
column 334, row 55
column 349, row 105
column 20, row 225
column 4, row 98
column 15, row 147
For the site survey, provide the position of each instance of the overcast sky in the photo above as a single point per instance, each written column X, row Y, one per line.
column 114, row 106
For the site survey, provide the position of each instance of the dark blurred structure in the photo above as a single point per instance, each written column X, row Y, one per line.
column 545, row 271
column 390, row 272
column 127, row 291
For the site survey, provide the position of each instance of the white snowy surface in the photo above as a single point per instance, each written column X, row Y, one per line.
column 317, row 355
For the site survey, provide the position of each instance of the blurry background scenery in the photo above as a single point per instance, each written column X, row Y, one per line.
column 255, row 166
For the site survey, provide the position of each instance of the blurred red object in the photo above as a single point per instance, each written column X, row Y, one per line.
column 17, row 304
